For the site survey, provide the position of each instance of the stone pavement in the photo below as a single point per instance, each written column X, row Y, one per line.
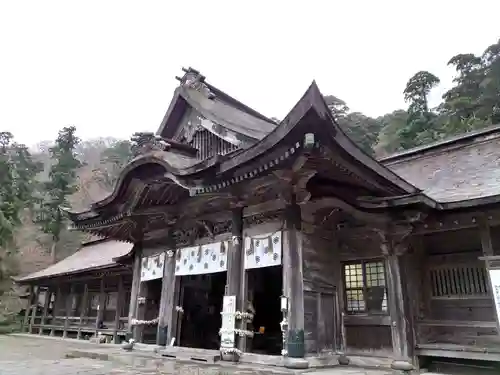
column 33, row 355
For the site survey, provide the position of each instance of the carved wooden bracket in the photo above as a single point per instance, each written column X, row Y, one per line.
column 295, row 182
column 392, row 243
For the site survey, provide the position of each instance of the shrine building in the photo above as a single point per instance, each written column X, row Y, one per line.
column 238, row 236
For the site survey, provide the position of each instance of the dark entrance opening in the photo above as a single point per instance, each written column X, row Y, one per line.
column 264, row 292
column 201, row 299
column 152, row 309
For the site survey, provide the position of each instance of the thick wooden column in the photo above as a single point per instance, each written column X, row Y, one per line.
column 134, row 291
column 120, row 295
column 394, row 251
column 234, row 276
column 83, row 309
column 48, row 295
column 166, row 313
column 293, row 284
column 141, row 312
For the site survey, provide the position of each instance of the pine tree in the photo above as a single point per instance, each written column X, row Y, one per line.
column 61, row 185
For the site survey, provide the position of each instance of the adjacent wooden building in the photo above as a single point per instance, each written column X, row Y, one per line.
column 284, row 242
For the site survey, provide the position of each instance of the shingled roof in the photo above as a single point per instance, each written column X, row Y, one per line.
column 457, row 169
column 94, row 255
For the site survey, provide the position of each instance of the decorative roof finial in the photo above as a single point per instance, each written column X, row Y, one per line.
column 193, row 79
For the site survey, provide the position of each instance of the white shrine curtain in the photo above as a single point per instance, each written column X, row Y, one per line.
column 152, row 267
column 203, row 259
column 263, row 250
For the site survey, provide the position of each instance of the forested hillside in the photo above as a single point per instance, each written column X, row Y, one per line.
column 472, row 103
column 69, row 172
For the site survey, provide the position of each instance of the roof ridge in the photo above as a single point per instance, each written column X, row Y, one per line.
column 223, row 96
column 442, row 145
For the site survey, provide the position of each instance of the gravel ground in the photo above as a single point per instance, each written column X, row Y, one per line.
column 42, row 356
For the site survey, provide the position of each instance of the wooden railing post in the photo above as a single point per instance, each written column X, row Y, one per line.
column 48, row 295
column 101, row 307
column 69, row 303
column 119, row 307
column 34, row 308
column 27, row 311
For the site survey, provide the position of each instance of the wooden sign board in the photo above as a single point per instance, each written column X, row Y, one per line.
column 228, row 322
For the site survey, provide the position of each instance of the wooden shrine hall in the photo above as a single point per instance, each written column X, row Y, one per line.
column 284, row 243
column 83, row 294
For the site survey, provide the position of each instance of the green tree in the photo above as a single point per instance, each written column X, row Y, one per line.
column 490, row 86
column 420, row 127
column 361, row 129
column 59, row 187
column 388, row 138
column 17, row 171
column 113, row 160
column 461, row 104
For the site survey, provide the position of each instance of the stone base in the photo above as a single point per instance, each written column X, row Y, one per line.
column 296, row 363
column 404, row 366
column 230, row 357
column 344, row 360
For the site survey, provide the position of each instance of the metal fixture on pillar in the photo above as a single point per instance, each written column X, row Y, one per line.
column 284, row 324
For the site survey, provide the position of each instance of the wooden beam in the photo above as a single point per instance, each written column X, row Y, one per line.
column 46, row 303
column 166, row 312
column 83, row 309
column 293, row 284
column 119, row 307
column 485, row 234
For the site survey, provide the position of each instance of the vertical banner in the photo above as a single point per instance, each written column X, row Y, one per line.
column 227, row 337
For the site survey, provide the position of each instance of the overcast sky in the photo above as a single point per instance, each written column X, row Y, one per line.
column 108, row 67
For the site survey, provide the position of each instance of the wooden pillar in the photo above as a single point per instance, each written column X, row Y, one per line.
column 488, row 253
column 27, row 311
column 119, row 307
column 134, row 291
column 398, row 297
column 58, row 298
column 293, row 284
column 46, row 303
column 141, row 312
column 101, row 307
column 83, row 309
column 34, row 307
column 166, row 312
column 69, row 303
column 234, row 278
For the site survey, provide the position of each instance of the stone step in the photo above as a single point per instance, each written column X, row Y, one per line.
column 197, row 355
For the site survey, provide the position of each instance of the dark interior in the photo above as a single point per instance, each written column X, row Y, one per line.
column 265, row 284
column 202, row 303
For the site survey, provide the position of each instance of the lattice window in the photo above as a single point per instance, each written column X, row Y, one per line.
column 365, row 289
column 455, row 281
column 208, row 145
